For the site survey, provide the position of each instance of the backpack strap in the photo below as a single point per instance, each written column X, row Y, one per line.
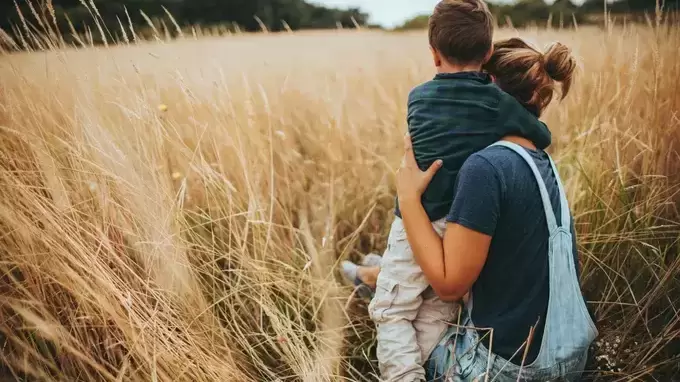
column 565, row 213
column 545, row 198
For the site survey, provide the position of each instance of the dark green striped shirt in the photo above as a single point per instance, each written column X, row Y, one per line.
column 456, row 115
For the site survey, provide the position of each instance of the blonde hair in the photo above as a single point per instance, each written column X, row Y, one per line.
column 530, row 75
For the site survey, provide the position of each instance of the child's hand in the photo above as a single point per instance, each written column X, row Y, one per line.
column 411, row 181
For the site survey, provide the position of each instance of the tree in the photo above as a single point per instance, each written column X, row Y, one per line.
column 418, row 22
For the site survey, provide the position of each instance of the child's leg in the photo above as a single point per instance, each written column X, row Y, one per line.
column 395, row 306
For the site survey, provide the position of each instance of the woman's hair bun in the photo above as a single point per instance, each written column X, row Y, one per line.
column 560, row 65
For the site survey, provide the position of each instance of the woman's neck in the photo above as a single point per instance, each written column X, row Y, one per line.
column 520, row 141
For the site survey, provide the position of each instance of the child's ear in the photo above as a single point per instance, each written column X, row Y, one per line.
column 488, row 55
column 436, row 57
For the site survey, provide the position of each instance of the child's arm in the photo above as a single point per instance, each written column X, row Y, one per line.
column 515, row 119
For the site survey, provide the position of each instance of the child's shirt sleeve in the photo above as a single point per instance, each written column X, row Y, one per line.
column 515, row 119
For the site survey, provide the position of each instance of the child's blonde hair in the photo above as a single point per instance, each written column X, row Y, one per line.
column 530, row 75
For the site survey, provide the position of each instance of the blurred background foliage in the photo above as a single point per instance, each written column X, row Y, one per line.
column 278, row 15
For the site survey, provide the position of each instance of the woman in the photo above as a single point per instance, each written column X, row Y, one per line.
column 509, row 243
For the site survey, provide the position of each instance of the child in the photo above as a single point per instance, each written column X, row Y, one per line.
column 459, row 112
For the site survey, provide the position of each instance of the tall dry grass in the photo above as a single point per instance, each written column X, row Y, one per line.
column 176, row 210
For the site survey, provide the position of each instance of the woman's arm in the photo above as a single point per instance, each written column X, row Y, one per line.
column 453, row 264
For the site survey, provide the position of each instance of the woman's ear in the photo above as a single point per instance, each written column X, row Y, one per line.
column 436, row 57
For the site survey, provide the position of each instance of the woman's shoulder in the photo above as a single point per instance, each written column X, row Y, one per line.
column 507, row 164
column 501, row 160
column 487, row 163
column 495, row 156
column 502, row 154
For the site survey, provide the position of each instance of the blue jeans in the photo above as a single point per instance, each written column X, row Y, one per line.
column 457, row 357
column 461, row 357
column 435, row 367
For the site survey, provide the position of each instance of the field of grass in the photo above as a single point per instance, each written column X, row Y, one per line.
column 177, row 210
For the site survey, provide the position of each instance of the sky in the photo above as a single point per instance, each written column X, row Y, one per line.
column 388, row 13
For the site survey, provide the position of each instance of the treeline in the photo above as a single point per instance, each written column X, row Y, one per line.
column 76, row 18
column 243, row 15
column 631, row 6
column 560, row 13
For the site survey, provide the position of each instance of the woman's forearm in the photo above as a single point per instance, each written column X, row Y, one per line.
column 465, row 249
column 426, row 244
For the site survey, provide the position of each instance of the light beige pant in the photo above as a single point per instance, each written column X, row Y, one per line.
column 409, row 317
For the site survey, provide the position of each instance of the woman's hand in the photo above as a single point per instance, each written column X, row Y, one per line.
column 411, row 181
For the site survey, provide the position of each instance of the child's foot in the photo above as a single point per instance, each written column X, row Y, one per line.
column 364, row 273
column 363, row 276
column 371, row 260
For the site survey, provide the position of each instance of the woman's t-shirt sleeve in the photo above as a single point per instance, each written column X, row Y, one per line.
column 478, row 194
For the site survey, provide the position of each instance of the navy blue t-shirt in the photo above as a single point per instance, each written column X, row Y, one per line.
column 497, row 195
